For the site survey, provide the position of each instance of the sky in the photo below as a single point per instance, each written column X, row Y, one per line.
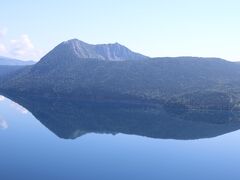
column 156, row 28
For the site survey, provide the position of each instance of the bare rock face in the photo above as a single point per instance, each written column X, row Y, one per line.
column 78, row 49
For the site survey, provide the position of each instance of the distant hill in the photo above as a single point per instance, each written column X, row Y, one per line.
column 17, row 62
column 181, row 82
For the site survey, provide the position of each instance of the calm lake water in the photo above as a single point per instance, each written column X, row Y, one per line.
column 64, row 140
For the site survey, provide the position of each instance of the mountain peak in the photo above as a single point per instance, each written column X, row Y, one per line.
column 80, row 42
column 77, row 49
column 74, row 41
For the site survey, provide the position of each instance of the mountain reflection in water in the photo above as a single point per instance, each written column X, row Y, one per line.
column 70, row 119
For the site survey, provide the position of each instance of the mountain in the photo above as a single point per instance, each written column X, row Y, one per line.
column 81, row 71
column 76, row 49
column 17, row 62
column 72, row 119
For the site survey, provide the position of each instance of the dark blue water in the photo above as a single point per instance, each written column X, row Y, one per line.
column 31, row 150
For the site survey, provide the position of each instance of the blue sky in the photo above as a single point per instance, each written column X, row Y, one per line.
column 208, row 28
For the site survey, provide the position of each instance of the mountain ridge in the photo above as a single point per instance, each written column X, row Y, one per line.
column 76, row 49
column 176, row 82
column 6, row 61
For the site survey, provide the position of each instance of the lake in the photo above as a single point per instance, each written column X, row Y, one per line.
column 45, row 139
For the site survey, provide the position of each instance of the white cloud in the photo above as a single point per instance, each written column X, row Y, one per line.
column 3, row 124
column 3, row 32
column 3, row 48
column 19, row 108
column 23, row 47
column 2, row 98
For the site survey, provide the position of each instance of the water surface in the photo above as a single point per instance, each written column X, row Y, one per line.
column 55, row 139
